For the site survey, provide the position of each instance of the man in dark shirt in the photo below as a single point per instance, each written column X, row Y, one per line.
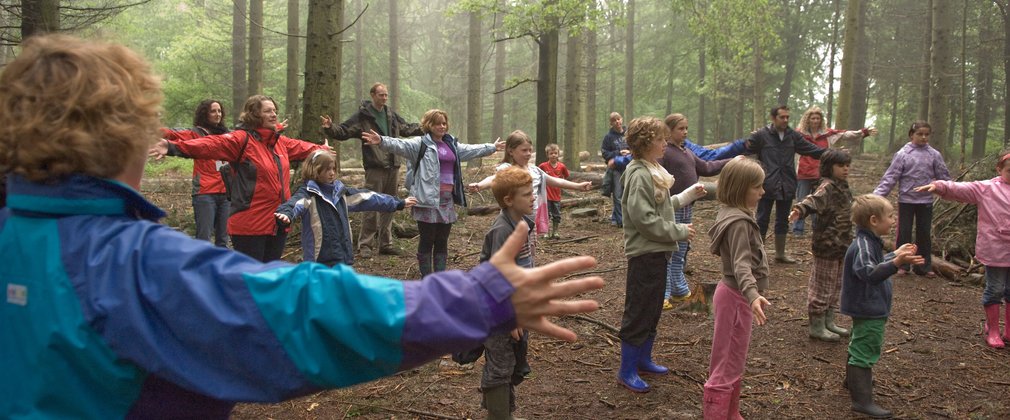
column 382, row 170
column 776, row 146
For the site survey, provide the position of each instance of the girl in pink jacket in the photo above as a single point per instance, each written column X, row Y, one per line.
column 993, row 200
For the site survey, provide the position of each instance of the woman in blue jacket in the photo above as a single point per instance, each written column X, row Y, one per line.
column 111, row 315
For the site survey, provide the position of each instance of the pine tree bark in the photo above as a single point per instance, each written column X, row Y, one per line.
column 473, row 91
column 831, row 67
column 322, row 66
column 860, row 79
column 941, row 63
column 924, row 90
column 291, row 83
column 700, row 132
column 39, row 17
column 629, row 64
column 547, row 86
column 255, row 86
column 983, row 84
column 498, row 116
column 573, row 65
column 238, row 58
column 394, row 55
column 592, row 56
column 849, row 45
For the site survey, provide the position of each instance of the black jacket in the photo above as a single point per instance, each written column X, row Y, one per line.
column 364, row 120
column 777, row 157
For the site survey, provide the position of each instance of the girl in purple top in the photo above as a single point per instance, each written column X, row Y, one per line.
column 915, row 165
column 685, row 167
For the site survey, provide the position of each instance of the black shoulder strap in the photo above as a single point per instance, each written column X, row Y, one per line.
column 241, row 152
column 420, row 154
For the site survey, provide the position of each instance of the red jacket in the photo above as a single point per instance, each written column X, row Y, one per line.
column 271, row 156
column 809, row 167
column 561, row 171
column 206, row 178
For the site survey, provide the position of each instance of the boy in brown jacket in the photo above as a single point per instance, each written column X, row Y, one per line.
column 832, row 202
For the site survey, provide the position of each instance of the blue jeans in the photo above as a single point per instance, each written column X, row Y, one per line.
column 803, row 188
column 211, row 214
column 997, row 285
column 615, row 215
column 782, row 209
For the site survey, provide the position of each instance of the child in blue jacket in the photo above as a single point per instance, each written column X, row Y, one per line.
column 326, row 231
column 112, row 315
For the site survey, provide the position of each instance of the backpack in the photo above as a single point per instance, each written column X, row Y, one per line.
column 239, row 178
column 411, row 171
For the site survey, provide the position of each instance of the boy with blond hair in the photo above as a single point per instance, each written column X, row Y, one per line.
column 866, row 295
column 555, row 168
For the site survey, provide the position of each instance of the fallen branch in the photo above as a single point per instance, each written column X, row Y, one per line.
column 397, row 410
column 574, row 240
column 586, row 273
column 606, row 326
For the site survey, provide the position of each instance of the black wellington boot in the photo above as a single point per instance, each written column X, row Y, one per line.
column 860, row 383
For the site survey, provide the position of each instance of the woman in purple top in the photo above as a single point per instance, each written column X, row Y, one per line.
column 915, row 165
column 685, row 167
column 435, row 178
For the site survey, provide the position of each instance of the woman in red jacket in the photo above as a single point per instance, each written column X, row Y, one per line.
column 814, row 130
column 210, row 205
column 261, row 158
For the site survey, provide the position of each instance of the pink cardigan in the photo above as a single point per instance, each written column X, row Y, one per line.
column 993, row 200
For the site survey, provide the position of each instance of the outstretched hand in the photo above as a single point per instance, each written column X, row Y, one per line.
column 794, row 215
column 159, row 150
column 537, row 295
column 906, row 254
column 499, row 144
column 930, row 187
column 409, row 202
column 327, row 122
column 371, row 137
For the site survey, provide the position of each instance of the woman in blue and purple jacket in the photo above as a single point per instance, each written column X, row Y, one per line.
column 112, row 315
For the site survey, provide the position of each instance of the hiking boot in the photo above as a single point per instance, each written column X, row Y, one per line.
column 390, row 250
column 365, row 253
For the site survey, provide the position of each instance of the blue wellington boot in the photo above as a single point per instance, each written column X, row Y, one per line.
column 645, row 363
column 628, row 374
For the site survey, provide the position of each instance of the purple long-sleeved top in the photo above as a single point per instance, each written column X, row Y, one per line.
column 686, row 167
column 913, row 166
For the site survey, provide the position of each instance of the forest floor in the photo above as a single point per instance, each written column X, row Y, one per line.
column 935, row 364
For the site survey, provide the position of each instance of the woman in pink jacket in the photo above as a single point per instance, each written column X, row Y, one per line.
column 993, row 200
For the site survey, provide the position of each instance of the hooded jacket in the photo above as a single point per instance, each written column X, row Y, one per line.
column 326, row 230
column 373, row 157
column 737, row 241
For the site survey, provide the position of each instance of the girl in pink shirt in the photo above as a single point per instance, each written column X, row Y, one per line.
column 993, row 200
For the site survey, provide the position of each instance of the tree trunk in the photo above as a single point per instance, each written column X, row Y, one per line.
column 831, row 67
column 925, row 83
column 591, row 68
column 983, row 85
column 255, row 86
column 498, row 114
column 39, row 17
column 1004, row 7
column 860, row 79
column 895, row 89
column 629, row 64
column 473, row 93
column 547, row 86
column 360, row 89
column 291, row 88
column 238, row 61
column 323, row 62
column 941, row 88
column 700, row 132
column 850, row 44
column 573, row 64
column 758, row 94
column 793, row 39
column 394, row 56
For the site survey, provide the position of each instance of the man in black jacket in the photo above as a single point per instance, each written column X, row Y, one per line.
column 776, row 146
column 382, row 170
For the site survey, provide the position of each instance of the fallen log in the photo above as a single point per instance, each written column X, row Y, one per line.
column 946, row 269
